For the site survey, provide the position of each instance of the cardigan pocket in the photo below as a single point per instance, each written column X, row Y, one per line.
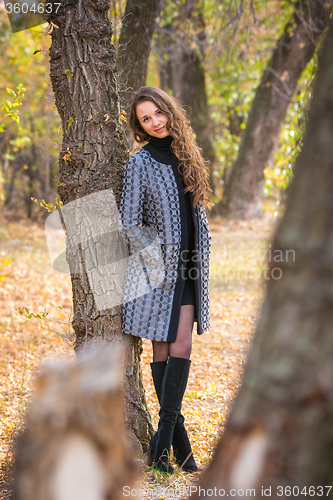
column 205, row 223
column 206, row 226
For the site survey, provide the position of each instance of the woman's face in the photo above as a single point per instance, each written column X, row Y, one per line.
column 152, row 119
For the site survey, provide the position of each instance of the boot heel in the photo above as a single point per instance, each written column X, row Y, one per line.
column 150, row 456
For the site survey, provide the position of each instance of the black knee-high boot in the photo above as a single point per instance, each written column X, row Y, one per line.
column 180, row 443
column 182, row 450
column 157, row 372
column 172, row 391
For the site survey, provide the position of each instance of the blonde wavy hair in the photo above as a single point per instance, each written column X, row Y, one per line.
column 193, row 167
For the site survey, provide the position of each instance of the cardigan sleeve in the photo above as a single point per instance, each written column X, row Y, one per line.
column 143, row 240
column 132, row 197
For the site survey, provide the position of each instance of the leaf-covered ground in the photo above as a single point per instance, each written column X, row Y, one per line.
column 27, row 280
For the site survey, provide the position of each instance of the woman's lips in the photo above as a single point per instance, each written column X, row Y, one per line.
column 159, row 129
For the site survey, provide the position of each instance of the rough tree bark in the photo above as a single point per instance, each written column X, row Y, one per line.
column 183, row 70
column 280, row 430
column 94, row 151
column 134, row 46
column 243, row 192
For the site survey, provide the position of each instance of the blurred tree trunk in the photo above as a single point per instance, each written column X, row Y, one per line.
column 32, row 173
column 9, row 185
column 134, row 46
column 243, row 192
column 92, row 159
column 280, row 430
column 30, row 180
column 47, row 186
column 182, row 69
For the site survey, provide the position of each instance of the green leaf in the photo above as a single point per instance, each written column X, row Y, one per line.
column 9, row 157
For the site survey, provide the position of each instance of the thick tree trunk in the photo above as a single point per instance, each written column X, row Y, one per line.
column 280, row 431
column 134, row 46
column 183, row 71
column 243, row 192
column 92, row 159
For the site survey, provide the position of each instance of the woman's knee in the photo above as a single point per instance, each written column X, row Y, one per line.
column 181, row 348
column 160, row 351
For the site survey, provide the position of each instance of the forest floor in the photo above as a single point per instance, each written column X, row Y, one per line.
column 237, row 285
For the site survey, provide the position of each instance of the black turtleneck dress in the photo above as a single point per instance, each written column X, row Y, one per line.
column 160, row 150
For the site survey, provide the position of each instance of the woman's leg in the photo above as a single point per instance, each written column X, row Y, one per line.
column 182, row 346
column 180, row 351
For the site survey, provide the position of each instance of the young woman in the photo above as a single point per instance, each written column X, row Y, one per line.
column 165, row 191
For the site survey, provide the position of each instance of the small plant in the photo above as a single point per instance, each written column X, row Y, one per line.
column 65, row 325
column 51, row 206
column 30, row 315
column 11, row 107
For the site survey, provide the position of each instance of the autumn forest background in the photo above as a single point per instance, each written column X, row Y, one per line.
column 233, row 46
column 245, row 70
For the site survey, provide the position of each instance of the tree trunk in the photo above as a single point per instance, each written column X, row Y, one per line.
column 74, row 445
column 243, row 192
column 32, row 173
column 134, row 46
column 280, row 431
column 94, row 151
column 9, row 188
column 183, row 70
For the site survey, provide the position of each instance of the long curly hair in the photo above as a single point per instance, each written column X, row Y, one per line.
column 193, row 167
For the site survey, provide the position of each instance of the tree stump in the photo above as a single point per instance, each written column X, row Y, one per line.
column 74, row 445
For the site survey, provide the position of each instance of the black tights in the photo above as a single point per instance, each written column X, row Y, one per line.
column 181, row 347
